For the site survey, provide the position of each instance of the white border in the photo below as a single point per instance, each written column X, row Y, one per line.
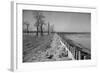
column 17, row 38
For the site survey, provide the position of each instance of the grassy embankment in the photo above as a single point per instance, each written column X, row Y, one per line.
column 44, row 48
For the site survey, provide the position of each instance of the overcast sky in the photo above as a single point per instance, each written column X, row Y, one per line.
column 63, row 21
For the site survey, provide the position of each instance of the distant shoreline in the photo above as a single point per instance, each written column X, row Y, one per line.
column 60, row 32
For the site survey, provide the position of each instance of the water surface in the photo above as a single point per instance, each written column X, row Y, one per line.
column 83, row 39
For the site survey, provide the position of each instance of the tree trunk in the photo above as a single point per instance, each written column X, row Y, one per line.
column 41, row 31
column 48, row 28
column 37, row 31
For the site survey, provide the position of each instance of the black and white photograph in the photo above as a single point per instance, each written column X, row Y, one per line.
column 55, row 36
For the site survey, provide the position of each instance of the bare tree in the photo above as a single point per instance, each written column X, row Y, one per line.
column 27, row 26
column 41, row 26
column 39, row 21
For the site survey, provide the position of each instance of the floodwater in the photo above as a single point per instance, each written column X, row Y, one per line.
column 83, row 39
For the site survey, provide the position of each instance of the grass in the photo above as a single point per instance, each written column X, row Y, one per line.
column 33, row 44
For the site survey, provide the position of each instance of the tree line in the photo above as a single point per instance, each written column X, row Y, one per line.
column 39, row 23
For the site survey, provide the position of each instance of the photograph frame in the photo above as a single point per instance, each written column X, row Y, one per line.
column 16, row 20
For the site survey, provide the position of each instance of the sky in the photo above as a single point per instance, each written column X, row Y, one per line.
column 62, row 21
